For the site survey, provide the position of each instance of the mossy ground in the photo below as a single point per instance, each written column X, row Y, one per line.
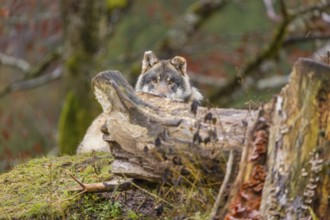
column 43, row 189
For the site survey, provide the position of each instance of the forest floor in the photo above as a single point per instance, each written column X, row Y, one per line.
column 43, row 188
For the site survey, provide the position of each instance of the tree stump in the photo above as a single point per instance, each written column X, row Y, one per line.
column 298, row 183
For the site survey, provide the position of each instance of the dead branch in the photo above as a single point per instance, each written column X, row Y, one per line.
column 302, row 38
column 34, row 76
column 16, row 62
column 320, row 7
column 32, row 83
column 220, row 197
column 323, row 54
column 106, row 186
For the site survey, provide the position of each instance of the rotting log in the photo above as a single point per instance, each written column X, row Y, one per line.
column 282, row 151
column 157, row 139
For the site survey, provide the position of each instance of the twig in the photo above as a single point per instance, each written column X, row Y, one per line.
column 107, row 186
column 303, row 38
column 223, row 187
column 323, row 54
column 80, row 183
column 303, row 10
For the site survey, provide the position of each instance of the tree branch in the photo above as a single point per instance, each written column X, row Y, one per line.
column 188, row 24
column 107, row 186
column 185, row 27
column 310, row 8
column 33, row 75
column 271, row 11
column 224, row 185
column 32, row 83
column 269, row 52
column 302, row 38
column 39, row 68
column 16, row 62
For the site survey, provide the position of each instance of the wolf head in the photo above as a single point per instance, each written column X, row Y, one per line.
column 166, row 78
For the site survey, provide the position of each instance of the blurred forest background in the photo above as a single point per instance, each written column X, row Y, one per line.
column 239, row 54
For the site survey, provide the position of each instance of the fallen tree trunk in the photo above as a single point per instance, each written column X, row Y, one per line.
column 150, row 135
column 281, row 152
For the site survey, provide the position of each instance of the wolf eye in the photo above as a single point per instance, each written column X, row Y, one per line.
column 170, row 82
column 154, row 80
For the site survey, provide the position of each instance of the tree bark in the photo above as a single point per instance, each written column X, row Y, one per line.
column 86, row 32
column 297, row 182
column 292, row 182
column 281, row 153
column 82, row 40
column 150, row 135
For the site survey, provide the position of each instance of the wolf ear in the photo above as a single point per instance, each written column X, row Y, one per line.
column 149, row 59
column 180, row 64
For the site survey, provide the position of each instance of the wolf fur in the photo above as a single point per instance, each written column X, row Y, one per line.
column 166, row 78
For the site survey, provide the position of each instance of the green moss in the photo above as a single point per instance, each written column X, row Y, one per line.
column 76, row 116
column 132, row 215
column 72, row 64
column 82, row 60
column 114, row 4
column 68, row 134
column 93, row 206
column 42, row 187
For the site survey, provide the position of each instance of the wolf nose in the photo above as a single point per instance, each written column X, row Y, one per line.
column 162, row 91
